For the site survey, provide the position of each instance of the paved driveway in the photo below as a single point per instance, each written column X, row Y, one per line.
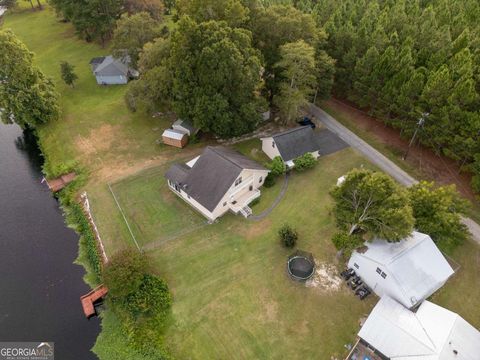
column 377, row 158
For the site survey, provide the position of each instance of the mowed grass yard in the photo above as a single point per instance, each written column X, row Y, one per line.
column 232, row 296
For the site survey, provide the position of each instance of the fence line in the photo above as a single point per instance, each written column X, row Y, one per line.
column 87, row 209
column 124, row 217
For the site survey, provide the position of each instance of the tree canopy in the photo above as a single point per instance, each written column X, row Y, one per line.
column 437, row 212
column 27, row 96
column 132, row 32
column 371, row 203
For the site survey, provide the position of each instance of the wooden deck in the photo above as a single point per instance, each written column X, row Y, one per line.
column 88, row 300
column 59, row 183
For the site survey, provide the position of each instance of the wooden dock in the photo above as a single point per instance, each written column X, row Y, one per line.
column 59, row 183
column 88, row 300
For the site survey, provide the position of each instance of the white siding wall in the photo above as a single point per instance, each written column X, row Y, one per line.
column 111, row 80
column 268, row 149
column 367, row 270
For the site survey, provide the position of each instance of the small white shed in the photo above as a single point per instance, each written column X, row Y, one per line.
column 174, row 138
column 409, row 271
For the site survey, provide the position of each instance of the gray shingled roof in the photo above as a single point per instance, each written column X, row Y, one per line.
column 110, row 67
column 96, row 61
column 177, row 173
column 298, row 141
column 212, row 174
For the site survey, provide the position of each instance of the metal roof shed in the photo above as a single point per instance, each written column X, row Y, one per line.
column 409, row 270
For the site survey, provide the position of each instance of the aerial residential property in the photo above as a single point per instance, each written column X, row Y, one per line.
column 218, row 181
column 408, row 271
column 431, row 332
column 240, row 179
column 299, row 141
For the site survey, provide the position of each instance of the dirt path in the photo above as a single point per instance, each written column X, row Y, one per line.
column 435, row 167
column 377, row 158
column 275, row 203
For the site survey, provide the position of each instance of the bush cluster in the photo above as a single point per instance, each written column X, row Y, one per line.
column 288, row 236
column 304, row 162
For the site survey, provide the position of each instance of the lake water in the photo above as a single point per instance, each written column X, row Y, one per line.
column 39, row 284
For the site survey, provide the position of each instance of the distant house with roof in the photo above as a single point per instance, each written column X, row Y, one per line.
column 218, row 181
column 296, row 142
column 112, row 71
column 408, row 271
column 391, row 331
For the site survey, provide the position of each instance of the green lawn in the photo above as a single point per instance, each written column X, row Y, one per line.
column 232, row 297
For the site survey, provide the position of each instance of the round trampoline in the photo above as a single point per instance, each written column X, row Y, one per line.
column 301, row 265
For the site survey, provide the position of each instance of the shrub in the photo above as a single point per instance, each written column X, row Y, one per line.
column 304, row 162
column 288, row 236
column 269, row 181
column 476, row 183
column 124, row 273
column 277, row 166
column 88, row 242
column 346, row 243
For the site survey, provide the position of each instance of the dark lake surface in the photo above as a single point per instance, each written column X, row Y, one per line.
column 39, row 284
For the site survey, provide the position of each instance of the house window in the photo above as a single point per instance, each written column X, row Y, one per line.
column 238, row 181
column 225, row 203
column 261, row 179
column 273, row 144
column 356, row 265
column 379, row 271
column 383, row 275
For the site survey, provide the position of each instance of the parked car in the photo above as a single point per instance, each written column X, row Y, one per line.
column 347, row 274
column 362, row 292
column 306, row 121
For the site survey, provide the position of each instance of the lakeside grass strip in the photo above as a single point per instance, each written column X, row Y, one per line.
column 124, row 217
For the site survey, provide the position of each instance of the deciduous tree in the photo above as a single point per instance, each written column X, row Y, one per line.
column 132, row 33
column 154, row 7
column 437, row 212
column 27, row 96
column 372, row 203
column 216, row 77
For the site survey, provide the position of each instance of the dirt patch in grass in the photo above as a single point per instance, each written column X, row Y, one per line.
column 325, row 278
column 99, row 139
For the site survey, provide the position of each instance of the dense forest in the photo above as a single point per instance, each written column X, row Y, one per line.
column 411, row 60
column 414, row 64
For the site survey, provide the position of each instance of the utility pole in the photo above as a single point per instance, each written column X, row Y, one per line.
column 420, row 123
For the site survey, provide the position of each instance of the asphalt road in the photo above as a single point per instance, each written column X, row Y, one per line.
column 377, row 158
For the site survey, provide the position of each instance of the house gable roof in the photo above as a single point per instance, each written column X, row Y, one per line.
column 109, row 67
column 415, row 263
column 213, row 174
column 301, row 140
column 430, row 333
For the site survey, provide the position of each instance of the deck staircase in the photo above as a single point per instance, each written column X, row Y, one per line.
column 246, row 211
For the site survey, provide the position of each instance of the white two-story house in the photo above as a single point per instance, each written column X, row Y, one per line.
column 217, row 181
